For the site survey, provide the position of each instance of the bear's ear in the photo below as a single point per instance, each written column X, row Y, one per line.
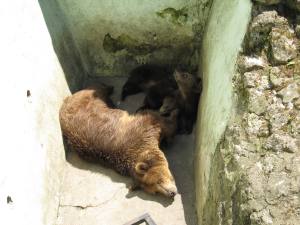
column 141, row 168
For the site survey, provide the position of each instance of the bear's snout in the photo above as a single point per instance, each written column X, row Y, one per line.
column 170, row 190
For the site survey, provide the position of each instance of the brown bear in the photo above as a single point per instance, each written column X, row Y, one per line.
column 185, row 99
column 190, row 88
column 127, row 143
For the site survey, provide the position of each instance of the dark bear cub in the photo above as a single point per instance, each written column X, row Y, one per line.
column 155, row 95
column 186, row 99
column 190, row 88
column 156, row 81
column 165, row 91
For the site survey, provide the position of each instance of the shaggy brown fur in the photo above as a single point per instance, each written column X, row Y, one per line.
column 127, row 143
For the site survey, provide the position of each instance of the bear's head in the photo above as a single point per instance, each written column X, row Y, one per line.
column 154, row 176
column 188, row 82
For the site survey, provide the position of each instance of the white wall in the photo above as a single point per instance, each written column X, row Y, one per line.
column 222, row 41
column 32, row 154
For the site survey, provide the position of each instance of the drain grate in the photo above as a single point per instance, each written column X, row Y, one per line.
column 145, row 218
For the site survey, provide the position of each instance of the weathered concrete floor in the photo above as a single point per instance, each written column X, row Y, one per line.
column 94, row 195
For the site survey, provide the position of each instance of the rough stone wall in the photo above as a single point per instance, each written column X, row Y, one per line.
column 115, row 36
column 255, row 175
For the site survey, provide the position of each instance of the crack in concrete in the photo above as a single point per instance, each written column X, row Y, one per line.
column 60, row 191
column 90, row 205
column 57, row 212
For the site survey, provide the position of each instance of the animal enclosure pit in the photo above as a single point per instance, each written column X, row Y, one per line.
column 93, row 194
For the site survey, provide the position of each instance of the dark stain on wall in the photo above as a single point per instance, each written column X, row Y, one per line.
column 133, row 46
column 176, row 16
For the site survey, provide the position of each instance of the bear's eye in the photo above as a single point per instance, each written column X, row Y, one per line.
column 184, row 75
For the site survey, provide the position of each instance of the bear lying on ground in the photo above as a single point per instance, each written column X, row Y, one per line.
column 127, row 143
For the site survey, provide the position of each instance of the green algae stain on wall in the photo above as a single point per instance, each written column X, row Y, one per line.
column 126, row 42
column 177, row 17
column 115, row 36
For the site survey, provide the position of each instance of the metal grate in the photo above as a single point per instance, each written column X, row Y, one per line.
column 145, row 218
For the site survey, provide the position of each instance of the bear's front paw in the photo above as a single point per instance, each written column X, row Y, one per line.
column 134, row 186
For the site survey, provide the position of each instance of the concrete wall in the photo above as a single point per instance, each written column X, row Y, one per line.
column 115, row 36
column 222, row 41
column 100, row 38
column 63, row 42
column 87, row 37
column 33, row 87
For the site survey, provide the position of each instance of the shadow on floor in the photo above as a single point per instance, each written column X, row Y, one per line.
column 180, row 155
column 79, row 163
